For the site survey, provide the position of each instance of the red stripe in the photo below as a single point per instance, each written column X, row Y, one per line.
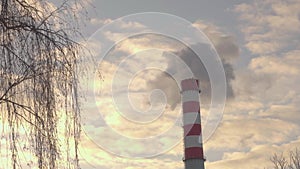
column 192, row 129
column 189, row 84
column 193, row 152
column 190, row 106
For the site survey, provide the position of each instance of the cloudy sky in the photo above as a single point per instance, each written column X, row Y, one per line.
column 258, row 45
column 132, row 112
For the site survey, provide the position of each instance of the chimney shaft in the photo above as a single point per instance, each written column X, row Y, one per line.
column 193, row 148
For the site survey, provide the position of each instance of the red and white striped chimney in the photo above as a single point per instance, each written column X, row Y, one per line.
column 193, row 148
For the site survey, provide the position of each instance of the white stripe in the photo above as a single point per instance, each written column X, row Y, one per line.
column 192, row 141
column 191, row 118
column 194, row 163
column 190, row 95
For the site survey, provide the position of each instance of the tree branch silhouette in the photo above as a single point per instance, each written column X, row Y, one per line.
column 38, row 79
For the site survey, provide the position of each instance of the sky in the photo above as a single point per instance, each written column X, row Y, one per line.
column 258, row 44
column 248, row 70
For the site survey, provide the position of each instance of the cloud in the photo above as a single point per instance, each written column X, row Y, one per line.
column 148, row 80
column 275, row 65
column 263, row 117
column 261, row 47
column 94, row 157
column 260, row 119
column 134, row 89
column 243, row 133
column 143, row 42
column 270, row 79
column 288, row 112
column 257, row 157
column 145, row 55
column 225, row 44
column 227, row 50
column 101, row 22
column 120, row 29
column 269, row 26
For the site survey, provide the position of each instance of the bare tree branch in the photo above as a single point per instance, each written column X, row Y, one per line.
column 280, row 162
column 38, row 78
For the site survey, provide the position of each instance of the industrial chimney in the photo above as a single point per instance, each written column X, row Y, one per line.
column 193, row 148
